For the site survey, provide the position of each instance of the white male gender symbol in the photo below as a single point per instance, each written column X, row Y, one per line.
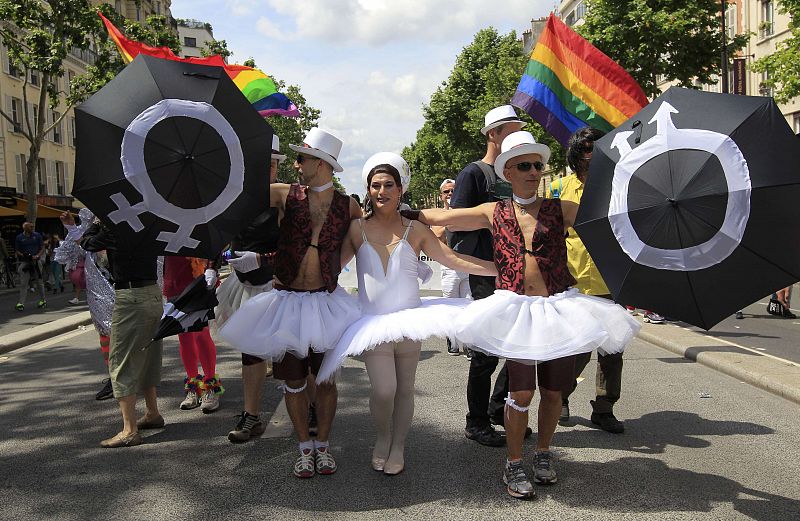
column 135, row 170
column 667, row 138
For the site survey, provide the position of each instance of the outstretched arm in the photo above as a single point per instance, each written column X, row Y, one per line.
column 441, row 253
column 455, row 219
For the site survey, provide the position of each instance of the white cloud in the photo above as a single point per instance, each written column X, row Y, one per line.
column 272, row 30
column 377, row 79
column 377, row 22
column 404, row 85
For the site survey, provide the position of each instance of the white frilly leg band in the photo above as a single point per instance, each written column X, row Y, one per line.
column 511, row 403
column 291, row 390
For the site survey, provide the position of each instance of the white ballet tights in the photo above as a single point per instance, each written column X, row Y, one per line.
column 392, row 368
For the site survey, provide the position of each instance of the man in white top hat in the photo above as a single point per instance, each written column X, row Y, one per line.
column 314, row 219
column 534, row 274
column 477, row 184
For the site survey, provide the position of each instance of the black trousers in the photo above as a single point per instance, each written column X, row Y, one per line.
column 483, row 403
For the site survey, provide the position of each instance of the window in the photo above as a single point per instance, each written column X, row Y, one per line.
column 118, row 7
column 55, row 81
column 570, row 19
column 189, row 42
column 58, row 130
column 138, row 14
column 33, row 114
column 52, row 177
column 41, row 177
column 72, row 132
column 766, row 26
column 580, row 11
column 19, row 161
column 731, row 21
column 763, row 89
column 60, row 179
column 158, row 7
column 14, row 106
column 70, row 79
column 34, row 78
column 796, row 123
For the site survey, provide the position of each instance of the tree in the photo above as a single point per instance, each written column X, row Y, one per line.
column 679, row 40
column 783, row 65
column 485, row 75
column 213, row 47
column 38, row 36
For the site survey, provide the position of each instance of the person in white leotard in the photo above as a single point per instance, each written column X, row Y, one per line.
column 395, row 320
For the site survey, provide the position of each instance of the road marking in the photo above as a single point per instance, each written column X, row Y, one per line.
column 280, row 425
column 750, row 349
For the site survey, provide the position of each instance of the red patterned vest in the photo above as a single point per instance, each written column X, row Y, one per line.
column 548, row 247
column 294, row 238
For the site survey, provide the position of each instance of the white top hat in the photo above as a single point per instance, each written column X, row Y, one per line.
column 388, row 158
column 518, row 144
column 276, row 148
column 498, row 116
column 322, row 144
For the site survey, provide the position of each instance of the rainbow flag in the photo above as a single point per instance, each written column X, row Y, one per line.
column 259, row 89
column 569, row 84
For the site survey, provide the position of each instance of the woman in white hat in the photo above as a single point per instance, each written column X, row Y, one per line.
column 395, row 320
column 534, row 319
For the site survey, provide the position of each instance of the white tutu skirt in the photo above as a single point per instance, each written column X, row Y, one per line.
column 276, row 322
column 523, row 328
column 435, row 317
column 231, row 294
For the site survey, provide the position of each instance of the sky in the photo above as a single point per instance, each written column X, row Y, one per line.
column 368, row 65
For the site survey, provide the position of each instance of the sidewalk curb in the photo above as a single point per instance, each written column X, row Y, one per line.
column 774, row 376
column 41, row 332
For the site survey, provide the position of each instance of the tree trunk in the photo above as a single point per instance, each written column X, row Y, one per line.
column 30, row 179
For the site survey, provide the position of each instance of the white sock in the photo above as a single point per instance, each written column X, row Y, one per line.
column 320, row 444
column 307, row 445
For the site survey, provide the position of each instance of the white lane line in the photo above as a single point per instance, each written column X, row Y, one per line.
column 280, row 425
column 734, row 344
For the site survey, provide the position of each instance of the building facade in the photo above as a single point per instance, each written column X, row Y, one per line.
column 194, row 35
column 57, row 155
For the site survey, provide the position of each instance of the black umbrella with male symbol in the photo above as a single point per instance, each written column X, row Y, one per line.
column 692, row 207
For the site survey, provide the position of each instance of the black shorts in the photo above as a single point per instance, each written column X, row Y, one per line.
column 293, row 368
column 554, row 375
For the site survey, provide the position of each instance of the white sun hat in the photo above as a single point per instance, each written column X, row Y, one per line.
column 276, row 148
column 388, row 158
column 322, row 144
column 518, row 144
column 499, row 116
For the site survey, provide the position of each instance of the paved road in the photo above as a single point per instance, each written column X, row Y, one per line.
column 763, row 332
column 58, row 306
column 733, row 455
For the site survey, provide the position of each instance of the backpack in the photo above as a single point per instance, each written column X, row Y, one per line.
column 497, row 189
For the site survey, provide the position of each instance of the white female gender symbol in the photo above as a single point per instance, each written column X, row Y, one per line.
column 135, row 170
column 668, row 137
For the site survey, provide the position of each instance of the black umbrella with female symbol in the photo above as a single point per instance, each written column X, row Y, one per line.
column 173, row 156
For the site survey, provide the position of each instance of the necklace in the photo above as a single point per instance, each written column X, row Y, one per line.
column 521, row 203
column 321, row 188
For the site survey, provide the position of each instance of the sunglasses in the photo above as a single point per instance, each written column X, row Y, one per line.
column 301, row 158
column 526, row 166
column 450, row 191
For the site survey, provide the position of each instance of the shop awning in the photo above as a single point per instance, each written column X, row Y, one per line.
column 10, row 212
column 42, row 211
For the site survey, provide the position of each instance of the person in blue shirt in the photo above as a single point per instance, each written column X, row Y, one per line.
column 29, row 249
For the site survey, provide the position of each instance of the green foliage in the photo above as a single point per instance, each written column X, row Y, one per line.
column 679, row 39
column 250, row 62
column 155, row 32
column 485, row 75
column 292, row 130
column 783, row 65
column 216, row 47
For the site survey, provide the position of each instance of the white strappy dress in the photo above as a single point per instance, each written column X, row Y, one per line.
column 391, row 307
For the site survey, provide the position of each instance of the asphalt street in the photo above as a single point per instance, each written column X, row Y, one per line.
column 698, row 445
column 58, row 306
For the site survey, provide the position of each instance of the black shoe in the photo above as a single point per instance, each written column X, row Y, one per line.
column 312, row 420
column 528, row 430
column 468, row 353
column 106, row 392
column 248, row 427
column 452, row 348
column 486, row 436
column 608, row 422
column 788, row 314
column 739, row 315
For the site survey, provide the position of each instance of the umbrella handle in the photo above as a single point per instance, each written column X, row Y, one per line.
column 148, row 345
column 201, row 75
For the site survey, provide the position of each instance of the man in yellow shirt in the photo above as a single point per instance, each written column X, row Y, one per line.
column 590, row 282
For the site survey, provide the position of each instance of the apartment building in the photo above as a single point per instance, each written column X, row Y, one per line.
column 194, row 35
column 57, row 157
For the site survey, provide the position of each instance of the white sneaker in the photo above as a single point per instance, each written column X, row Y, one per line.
column 653, row 318
column 190, row 402
column 74, row 301
column 210, row 401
